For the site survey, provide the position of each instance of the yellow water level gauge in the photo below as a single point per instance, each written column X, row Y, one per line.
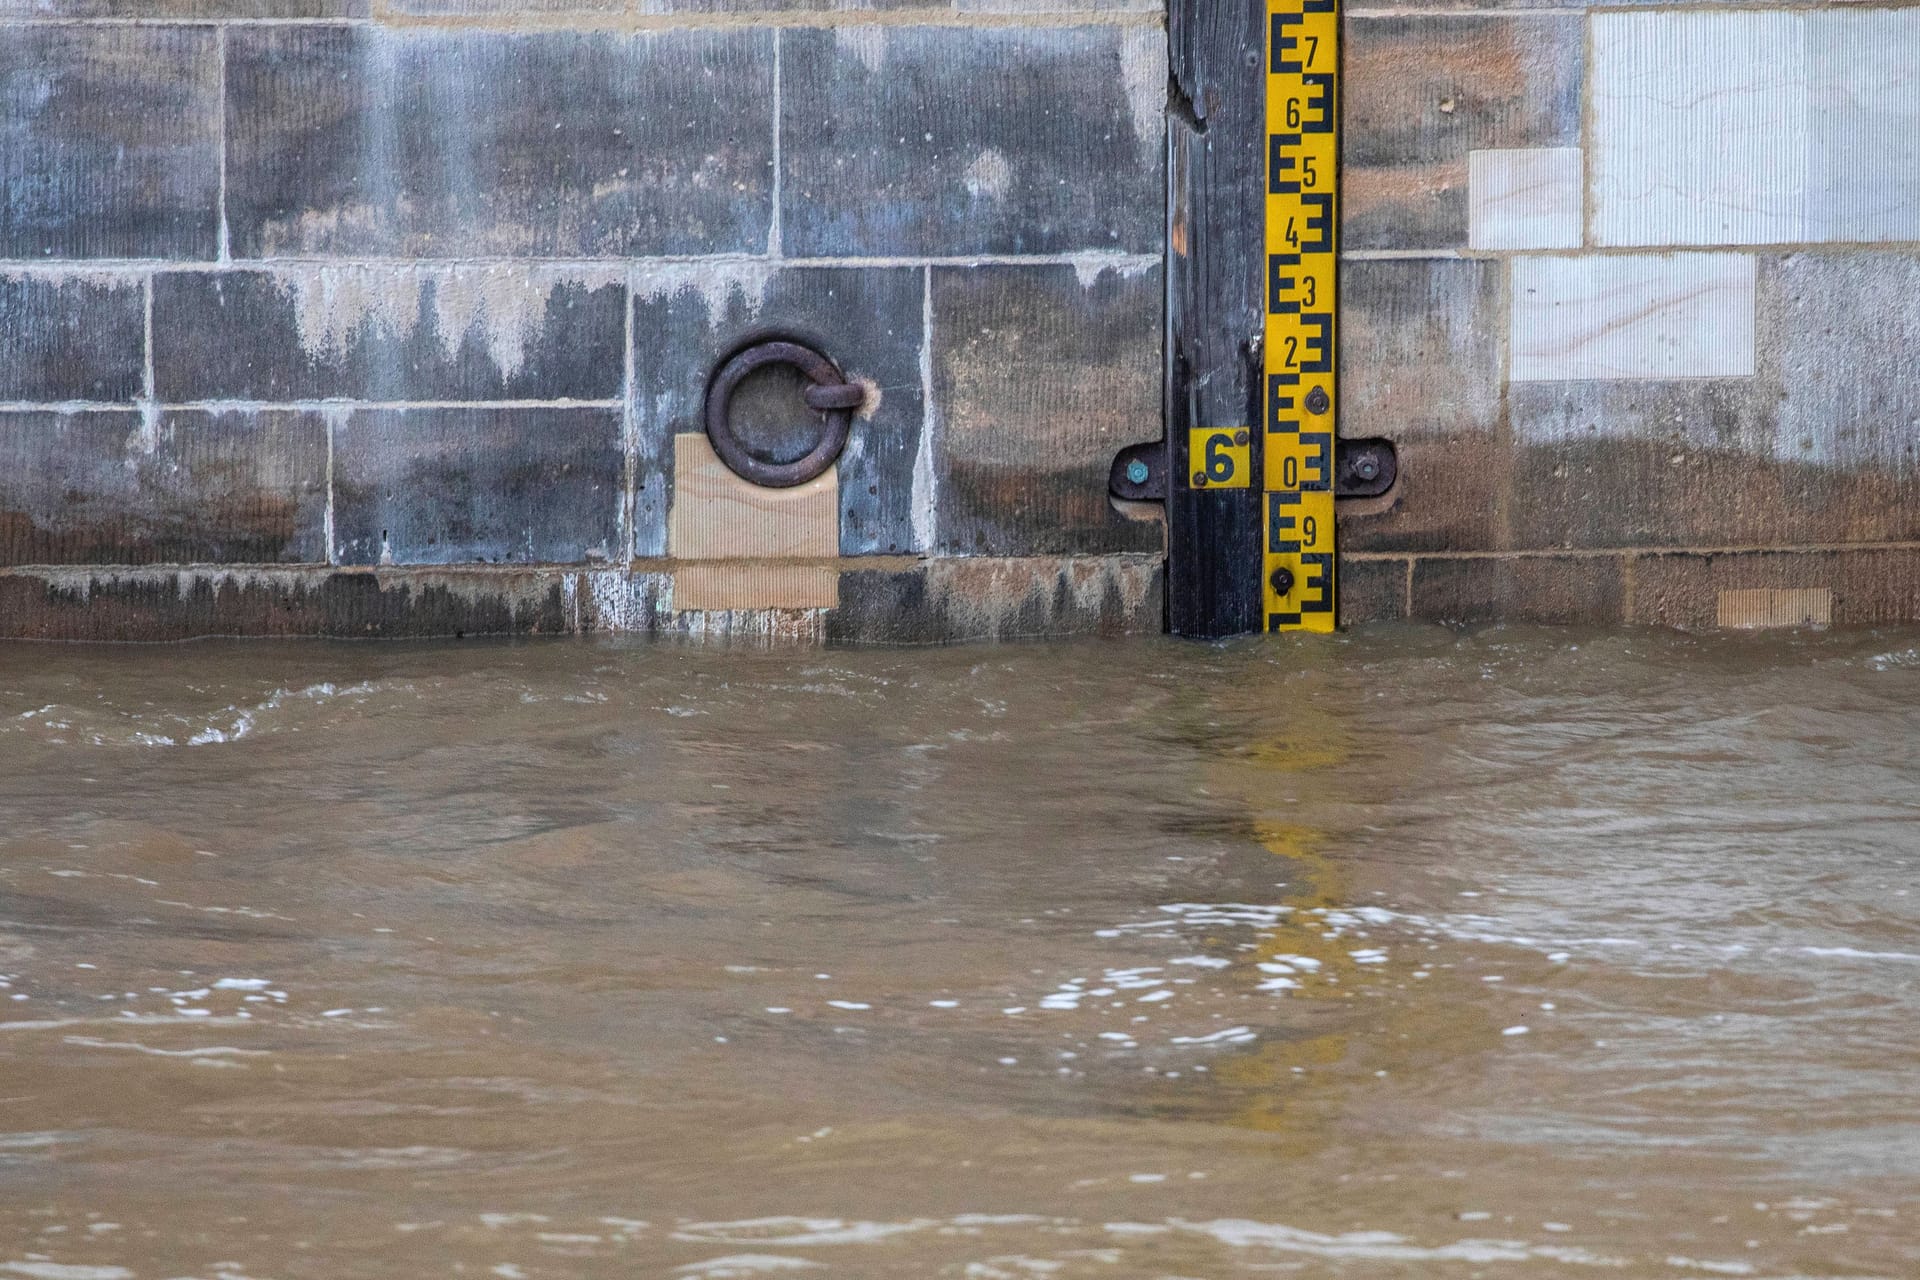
column 1302, row 288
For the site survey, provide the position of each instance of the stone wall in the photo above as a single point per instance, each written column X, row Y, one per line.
column 334, row 316
column 322, row 317
column 1637, row 292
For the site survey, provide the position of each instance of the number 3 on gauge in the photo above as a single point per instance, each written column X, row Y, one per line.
column 1219, row 458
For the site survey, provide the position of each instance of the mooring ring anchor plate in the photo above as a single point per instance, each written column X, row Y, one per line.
column 829, row 395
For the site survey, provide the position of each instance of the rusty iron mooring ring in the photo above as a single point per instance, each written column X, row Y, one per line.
column 830, row 395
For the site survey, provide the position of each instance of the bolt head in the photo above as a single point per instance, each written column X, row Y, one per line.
column 1366, row 466
column 1137, row 472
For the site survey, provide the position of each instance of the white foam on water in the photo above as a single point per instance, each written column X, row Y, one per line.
column 791, row 1231
column 65, row 1271
column 745, row 1264
column 1229, row 1035
column 210, row 1051
column 1735, row 1268
column 1381, row 1246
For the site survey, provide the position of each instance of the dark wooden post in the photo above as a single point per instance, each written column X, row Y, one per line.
column 1216, row 130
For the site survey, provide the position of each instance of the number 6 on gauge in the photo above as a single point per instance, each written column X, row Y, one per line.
column 1219, row 458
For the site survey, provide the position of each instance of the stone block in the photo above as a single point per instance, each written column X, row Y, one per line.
column 71, row 337
column 1764, row 127
column 184, row 10
column 1653, row 463
column 1583, row 590
column 719, row 516
column 442, row 143
column 1420, row 363
column 500, row 332
column 1422, row 92
column 688, row 319
column 709, row 588
column 1849, row 396
column 184, row 603
column 110, row 142
column 602, row 8
column 1816, row 449
column 1525, row 198
column 977, row 598
column 1041, row 374
column 1371, row 590
column 446, row 485
column 114, row 487
column 1680, row 315
column 1767, row 607
column 955, row 140
column 1866, row 586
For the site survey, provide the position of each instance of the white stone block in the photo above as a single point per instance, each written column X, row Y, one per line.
column 1863, row 114
column 1777, row 127
column 1525, row 198
column 1681, row 315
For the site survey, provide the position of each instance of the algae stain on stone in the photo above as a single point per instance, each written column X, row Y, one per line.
column 500, row 307
column 715, row 284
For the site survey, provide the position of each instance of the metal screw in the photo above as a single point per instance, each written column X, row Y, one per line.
column 1317, row 401
column 1282, row 581
column 1199, row 479
column 1137, row 472
column 1240, row 436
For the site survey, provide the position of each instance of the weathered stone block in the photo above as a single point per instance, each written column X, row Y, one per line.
column 1420, row 363
column 1817, row 448
column 435, row 143
column 109, row 143
column 1756, row 128
column 1846, row 327
column 1040, row 374
column 1588, row 590
column 184, row 9
column 65, row 337
column 1371, row 590
column 1423, row 92
column 522, row 8
column 1675, row 315
column 443, row 486
column 949, row 601
column 501, row 332
column 1869, row 586
column 112, row 487
column 688, row 319
column 185, row 603
column 1660, row 463
column 952, row 140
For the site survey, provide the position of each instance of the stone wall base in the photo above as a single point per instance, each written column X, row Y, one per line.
column 1842, row 586
column 886, row 601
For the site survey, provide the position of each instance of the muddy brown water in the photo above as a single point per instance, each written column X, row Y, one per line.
column 1409, row 953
